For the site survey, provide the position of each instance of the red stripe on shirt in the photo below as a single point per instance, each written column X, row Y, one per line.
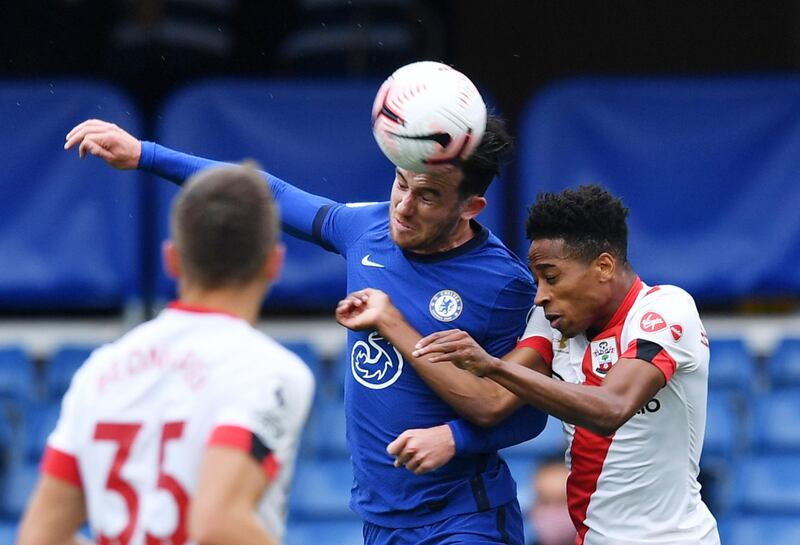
column 542, row 345
column 242, row 439
column 588, row 453
column 62, row 466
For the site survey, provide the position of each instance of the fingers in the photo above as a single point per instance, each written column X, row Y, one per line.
column 82, row 130
column 396, row 446
column 93, row 146
column 444, row 345
column 433, row 337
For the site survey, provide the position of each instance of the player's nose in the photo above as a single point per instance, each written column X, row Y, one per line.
column 542, row 295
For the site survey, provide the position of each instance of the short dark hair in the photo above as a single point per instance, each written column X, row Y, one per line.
column 589, row 219
column 484, row 163
column 224, row 223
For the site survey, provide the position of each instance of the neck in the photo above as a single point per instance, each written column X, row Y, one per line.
column 619, row 286
column 243, row 302
column 462, row 234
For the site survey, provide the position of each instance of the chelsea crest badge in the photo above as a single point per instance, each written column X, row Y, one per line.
column 446, row 305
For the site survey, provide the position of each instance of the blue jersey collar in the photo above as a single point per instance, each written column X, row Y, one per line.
column 481, row 236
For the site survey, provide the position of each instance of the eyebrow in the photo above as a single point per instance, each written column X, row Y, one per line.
column 543, row 266
column 397, row 171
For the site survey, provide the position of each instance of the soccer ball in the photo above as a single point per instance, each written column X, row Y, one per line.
column 426, row 114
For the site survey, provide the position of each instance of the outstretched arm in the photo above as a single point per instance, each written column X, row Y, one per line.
column 301, row 212
column 478, row 400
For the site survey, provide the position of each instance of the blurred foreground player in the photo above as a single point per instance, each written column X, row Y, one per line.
column 425, row 248
column 633, row 363
column 185, row 430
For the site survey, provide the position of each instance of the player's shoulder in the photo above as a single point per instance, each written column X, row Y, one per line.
column 665, row 294
column 259, row 357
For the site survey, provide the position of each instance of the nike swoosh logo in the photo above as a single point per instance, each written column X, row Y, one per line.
column 441, row 138
column 367, row 263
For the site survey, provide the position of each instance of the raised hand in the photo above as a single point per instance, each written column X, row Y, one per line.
column 107, row 141
column 363, row 309
column 457, row 347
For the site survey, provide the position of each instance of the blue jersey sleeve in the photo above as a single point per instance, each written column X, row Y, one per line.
column 508, row 318
column 524, row 424
column 302, row 213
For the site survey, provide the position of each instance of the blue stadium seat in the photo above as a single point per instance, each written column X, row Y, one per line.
column 8, row 532
column 18, row 381
column 321, row 489
column 768, row 484
column 760, row 529
column 61, row 367
column 775, row 421
column 316, row 135
column 783, row 365
column 17, row 486
column 313, row 532
column 37, row 423
column 548, row 444
column 725, row 144
column 522, row 469
column 70, row 228
column 731, row 366
column 726, row 425
column 324, row 435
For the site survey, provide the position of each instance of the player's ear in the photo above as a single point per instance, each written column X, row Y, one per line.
column 605, row 265
column 474, row 206
column 273, row 264
column 172, row 261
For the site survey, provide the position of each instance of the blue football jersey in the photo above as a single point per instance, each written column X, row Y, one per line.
column 480, row 287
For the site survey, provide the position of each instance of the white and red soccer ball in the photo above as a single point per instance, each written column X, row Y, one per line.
column 427, row 114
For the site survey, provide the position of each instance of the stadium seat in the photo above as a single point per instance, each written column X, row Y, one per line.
column 72, row 228
column 316, row 135
column 731, row 366
column 17, row 486
column 783, row 365
column 726, row 427
column 549, row 443
column 775, row 421
column 721, row 144
column 37, row 423
column 8, row 532
column 757, row 530
column 313, row 532
column 768, row 484
column 522, row 469
column 324, row 436
column 18, row 381
column 61, row 367
column 321, row 489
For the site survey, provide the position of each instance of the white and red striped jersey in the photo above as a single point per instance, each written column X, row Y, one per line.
column 638, row 486
column 141, row 411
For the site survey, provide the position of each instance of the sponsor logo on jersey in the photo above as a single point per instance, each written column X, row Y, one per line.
column 604, row 355
column 367, row 262
column 652, row 322
column 652, row 406
column 375, row 363
column 446, row 305
column 677, row 331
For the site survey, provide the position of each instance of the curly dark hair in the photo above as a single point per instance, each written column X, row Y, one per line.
column 483, row 164
column 589, row 219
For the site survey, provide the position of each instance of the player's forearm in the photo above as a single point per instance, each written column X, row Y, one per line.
column 170, row 164
column 590, row 407
column 299, row 209
column 475, row 399
column 231, row 527
column 524, row 424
